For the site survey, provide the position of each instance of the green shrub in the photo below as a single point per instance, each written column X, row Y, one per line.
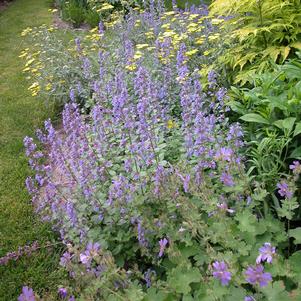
column 258, row 33
column 271, row 112
column 74, row 12
column 92, row 18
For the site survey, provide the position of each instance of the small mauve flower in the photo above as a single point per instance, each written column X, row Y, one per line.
column 224, row 207
column 62, row 292
column 266, row 253
column 220, row 271
column 162, row 242
column 296, row 167
column 256, row 275
column 249, row 298
column 27, row 294
column 227, row 179
column 284, row 190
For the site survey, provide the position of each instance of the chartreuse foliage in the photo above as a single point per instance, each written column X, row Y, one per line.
column 258, row 33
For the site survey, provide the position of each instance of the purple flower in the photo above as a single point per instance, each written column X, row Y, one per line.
column 249, row 298
column 227, row 179
column 284, row 190
column 91, row 251
column 266, row 253
column 62, row 292
column 162, row 242
column 27, row 294
column 224, row 154
column 220, row 272
column 224, row 207
column 296, row 167
column 65, row 259
column 256, row 275
column 148, row 277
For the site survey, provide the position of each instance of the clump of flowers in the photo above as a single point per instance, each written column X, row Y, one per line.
column 145, row 181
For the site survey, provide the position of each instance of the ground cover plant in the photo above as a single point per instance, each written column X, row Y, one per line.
column 147, row 180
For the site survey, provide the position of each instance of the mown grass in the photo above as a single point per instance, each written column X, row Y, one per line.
column 20, row 115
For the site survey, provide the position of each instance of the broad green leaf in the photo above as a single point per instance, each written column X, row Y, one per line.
column 247, row 221
column 180, row 279
column 253, row 117
column 297, row 129
column 295, row 263
column 286, row 124
column 296, row 153
column 154, row 294
column 296, row 233
column 276, row 292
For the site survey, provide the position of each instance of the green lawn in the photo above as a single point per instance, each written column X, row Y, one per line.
column 20, row 115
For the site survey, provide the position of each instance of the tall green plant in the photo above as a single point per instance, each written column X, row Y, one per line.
column 259, row 33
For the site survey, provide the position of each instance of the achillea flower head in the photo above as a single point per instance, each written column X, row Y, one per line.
column 266, row 253
column 256, row 275
column 220, row 272
column 296, row 167
column 283, row 190
column 162, row 242
column 27, row 294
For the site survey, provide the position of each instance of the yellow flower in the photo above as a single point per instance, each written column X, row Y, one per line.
column 166, row 25
column 200, row 41
column 171, row 124
column 138, row 55
column 26, row 31
column 132, row 67
column 168, row 34
column 48, row 87
column 26, row 69
column 29, row 62
column 207, row 52
column 169, row 13
column 105, row 7
column 191, row 52
column 216, row 21
column 141, row 46
column 213, row 37
column 193, row 16
column 23, row 54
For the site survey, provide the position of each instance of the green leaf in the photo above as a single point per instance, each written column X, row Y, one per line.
column 296, row 153
column 295, row 233
column 252, row 117
column 297, row 129
column 247, row 221
column 286, row 124
column 153, row 294
column 276, row 292
column 180, row 279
